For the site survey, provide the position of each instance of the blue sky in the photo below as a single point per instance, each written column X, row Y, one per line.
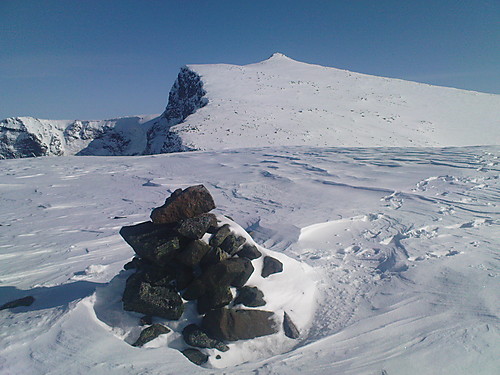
column 89, row 59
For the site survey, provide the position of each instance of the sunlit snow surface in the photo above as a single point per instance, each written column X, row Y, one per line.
column 402, row 243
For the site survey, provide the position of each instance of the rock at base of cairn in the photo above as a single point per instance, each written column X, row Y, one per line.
column 232, row 325
column 150, row 333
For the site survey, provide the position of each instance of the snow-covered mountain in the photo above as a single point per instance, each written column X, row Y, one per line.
column 27, row 137
column 400, row 244
column 278, row 101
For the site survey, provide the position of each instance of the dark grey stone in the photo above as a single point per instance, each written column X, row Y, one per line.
column 230, row 272
column 197, row 226
column 192, row 254
column 271, row 265
column 214, row 299
column 250, row 296
column 232, row 325
column 232, row 243
column 183, row 277
column 195, row 336
column 142, row 297
column 219, row 236
column 195, row 356
column 195, row 290
column 214, row 256
column 150, row 333
column 156, row 243
column 249, row 251
column 291, row 330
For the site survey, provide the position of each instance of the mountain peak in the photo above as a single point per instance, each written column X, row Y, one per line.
column 278, row 56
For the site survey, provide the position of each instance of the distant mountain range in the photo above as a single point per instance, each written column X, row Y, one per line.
column 279, row 102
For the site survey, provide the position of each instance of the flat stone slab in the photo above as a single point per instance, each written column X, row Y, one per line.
column 232, row 325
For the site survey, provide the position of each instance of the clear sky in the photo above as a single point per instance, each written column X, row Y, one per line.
column 96, row 59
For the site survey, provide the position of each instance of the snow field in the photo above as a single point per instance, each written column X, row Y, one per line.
column 401, row 244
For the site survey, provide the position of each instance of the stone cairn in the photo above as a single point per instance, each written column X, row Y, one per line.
column 174, row 264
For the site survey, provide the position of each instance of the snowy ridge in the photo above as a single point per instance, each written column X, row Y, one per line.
column 27, row 137
column 281, row 101
column 275, row 102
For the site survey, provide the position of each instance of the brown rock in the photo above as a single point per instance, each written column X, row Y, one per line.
column 184, row 204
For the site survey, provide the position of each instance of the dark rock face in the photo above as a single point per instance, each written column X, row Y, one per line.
column 150, row 333
column 232, row 325
column 232, row 244
column 186, row 96
column 146, row 320
column 219, row 236
column 230, row 272
column 25, row 301
column 291, row 330
column 197, row 226
column 195, row 356
column 193, row 253
column 195, row 336
column 135, row 263
column 142, row 297
column 184, row 204
column 214, row 299
column 214, row 256
column 155, row 243
column 183, row 277
column 250, row 296
column 249, row 251
column 271, row 265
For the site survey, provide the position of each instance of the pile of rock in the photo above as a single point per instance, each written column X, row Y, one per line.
column 186, row 254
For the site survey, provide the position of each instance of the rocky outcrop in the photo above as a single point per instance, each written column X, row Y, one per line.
column 186, row 96
column 22, row 137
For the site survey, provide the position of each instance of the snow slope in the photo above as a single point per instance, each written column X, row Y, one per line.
column 403, row 242
column 280, row 101
column 28, row 136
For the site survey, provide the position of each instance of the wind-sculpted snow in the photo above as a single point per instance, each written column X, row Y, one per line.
column 403, row 243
